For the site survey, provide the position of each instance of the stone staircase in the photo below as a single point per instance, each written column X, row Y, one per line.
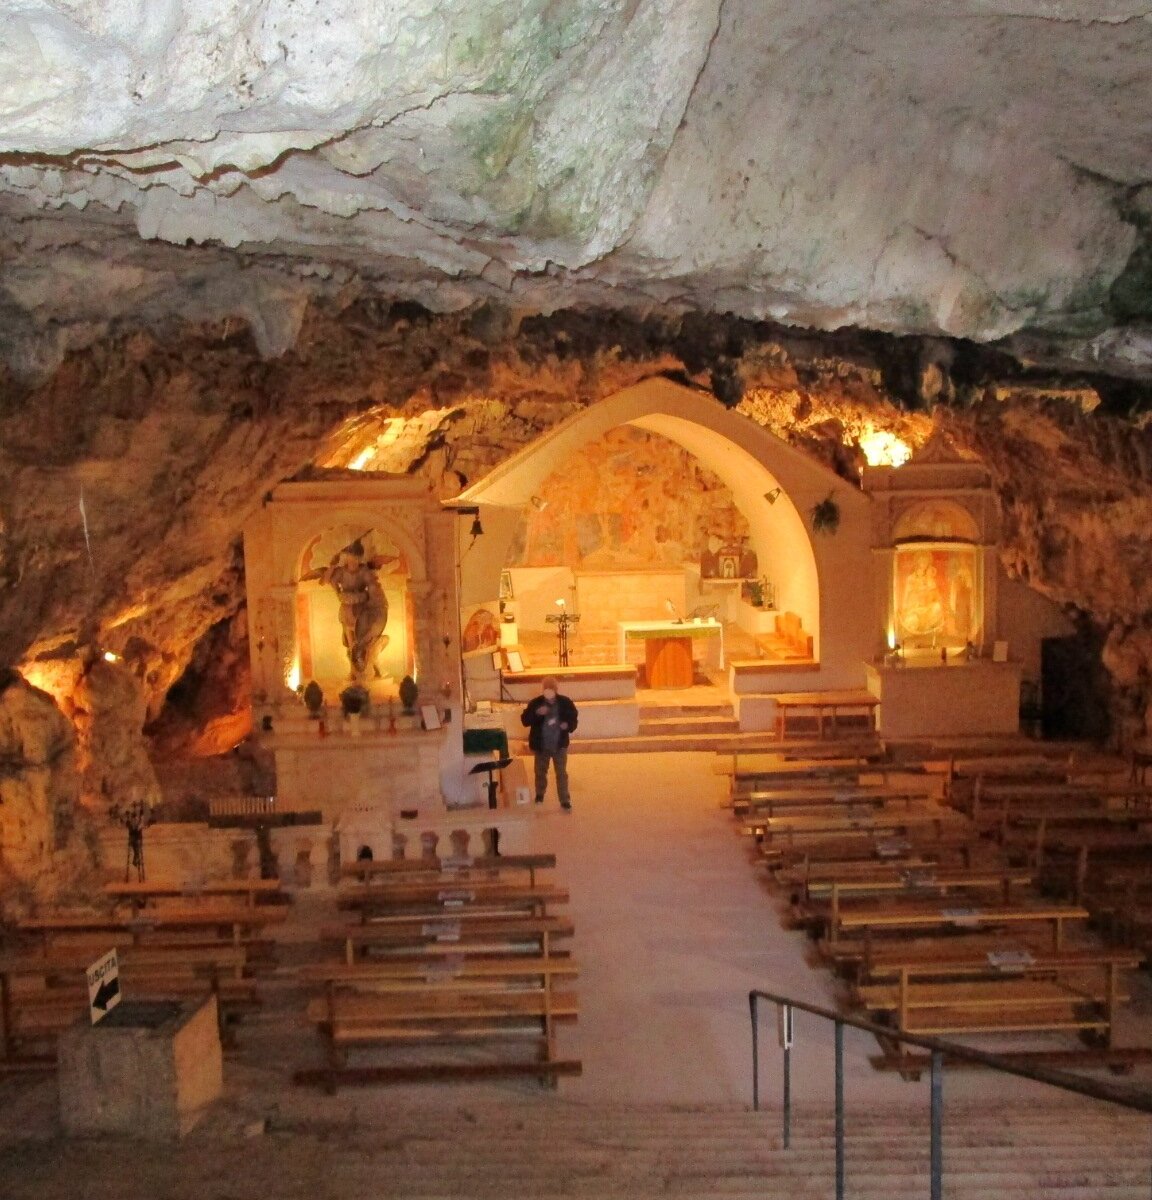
column 665, row 727
column 547, row 1147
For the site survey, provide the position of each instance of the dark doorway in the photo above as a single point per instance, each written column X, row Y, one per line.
column 1073, row 689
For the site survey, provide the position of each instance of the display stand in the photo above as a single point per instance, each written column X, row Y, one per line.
column 497, row 764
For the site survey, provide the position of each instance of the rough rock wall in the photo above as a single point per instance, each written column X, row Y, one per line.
column 47, row 847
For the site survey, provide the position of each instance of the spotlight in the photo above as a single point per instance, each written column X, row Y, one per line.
column 538, row 503
column 560, row 602
column 773, row 495
column 110, row 657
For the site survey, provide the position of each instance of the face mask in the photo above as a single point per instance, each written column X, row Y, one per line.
column 549, row 695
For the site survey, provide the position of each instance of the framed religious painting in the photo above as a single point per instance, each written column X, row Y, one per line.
column 937, row 597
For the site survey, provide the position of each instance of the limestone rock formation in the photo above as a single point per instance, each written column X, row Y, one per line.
column 108, row 711
column 46, row 842
column 973, row 168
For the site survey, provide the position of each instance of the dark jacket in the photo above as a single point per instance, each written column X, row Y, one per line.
column 566, row 713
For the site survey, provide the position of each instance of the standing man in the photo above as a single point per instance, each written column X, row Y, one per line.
column 550, row 719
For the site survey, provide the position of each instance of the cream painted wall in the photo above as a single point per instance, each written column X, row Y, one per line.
column 1024, row 617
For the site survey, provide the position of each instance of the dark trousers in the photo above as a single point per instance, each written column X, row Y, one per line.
column 559, row 760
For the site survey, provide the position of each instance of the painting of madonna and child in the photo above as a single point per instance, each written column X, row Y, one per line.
column 936, row 597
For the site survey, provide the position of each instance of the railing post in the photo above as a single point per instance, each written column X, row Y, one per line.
column 839, row 1110
column 752, row 998
column 785, row 1014
column 936, row 1125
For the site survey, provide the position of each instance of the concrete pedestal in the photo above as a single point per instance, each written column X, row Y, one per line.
column 149, row 1070
column 925, row 698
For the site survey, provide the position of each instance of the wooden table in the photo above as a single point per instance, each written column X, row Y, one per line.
column 823, row 704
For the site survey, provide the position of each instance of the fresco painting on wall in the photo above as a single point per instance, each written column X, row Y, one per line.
column 481, row 632
column 935, row 595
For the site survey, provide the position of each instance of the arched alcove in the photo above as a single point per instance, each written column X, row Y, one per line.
column 774, row 486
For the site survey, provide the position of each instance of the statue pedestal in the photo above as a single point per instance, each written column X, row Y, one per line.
column 148, row 1070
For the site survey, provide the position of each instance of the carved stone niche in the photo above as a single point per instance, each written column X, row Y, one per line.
column 304, row 619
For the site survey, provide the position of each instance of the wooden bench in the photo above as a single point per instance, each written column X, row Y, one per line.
column 1005, row 1005
column 789, row 641
column 822, row 902
column 827, row 797
column 237, row 923
column 464, row 866
column 853, row 932
column 375, row 900
column 833, row 822
column 479, row 936
column 509, row 1006
column 824, row 706
column 145, row 894
column 41, row 995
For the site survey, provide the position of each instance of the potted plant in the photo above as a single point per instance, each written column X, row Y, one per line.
column 826, row 516
column 354, row 700
column 314, row 700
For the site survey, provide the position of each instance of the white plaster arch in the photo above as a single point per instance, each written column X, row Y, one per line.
column 827, row 579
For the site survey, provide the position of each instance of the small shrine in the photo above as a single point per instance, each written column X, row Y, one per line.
column 942, row 665
column 355, row 654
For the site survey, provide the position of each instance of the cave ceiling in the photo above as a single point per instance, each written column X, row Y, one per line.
column 232, row 235
column 976, row 169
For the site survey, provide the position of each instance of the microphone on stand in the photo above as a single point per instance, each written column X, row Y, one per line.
column 674, row 611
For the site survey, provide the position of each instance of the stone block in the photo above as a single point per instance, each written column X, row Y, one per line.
column 148, row 1070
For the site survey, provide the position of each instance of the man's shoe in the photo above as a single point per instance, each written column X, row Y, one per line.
column 566, row 807
column 539, row 799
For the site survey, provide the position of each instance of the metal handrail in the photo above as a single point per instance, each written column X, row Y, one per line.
column 938, row 1049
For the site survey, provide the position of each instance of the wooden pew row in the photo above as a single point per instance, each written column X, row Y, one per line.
column 140, row 895
column 821, row 905
column 203, row 922
column 479, row 936
column 834, row 822
column 374, row 901
column 789, row 854
column 852, row 936
column 510, row 1007
column 384, row 870
column 773, row 801
column 1077, row 1002
column 41, row 995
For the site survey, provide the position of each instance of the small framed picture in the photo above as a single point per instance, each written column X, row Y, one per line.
column 498, row 660
column 430, row 716
column 999, row 651
column 729, row 566
column 515, row 660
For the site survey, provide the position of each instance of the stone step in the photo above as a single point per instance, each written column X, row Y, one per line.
column 718, row 743
column 620, row 1153
column 696, row 726
column 661, row 712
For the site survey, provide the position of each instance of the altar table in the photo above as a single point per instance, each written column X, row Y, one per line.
column 668, row 648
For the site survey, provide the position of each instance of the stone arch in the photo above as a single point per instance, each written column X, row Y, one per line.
column 752, row 463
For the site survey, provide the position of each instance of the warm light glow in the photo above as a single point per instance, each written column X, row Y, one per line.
column 391, row 430
column 891, row 637
column 292, row 679
column 109, row 656
column 56, row 678
column 560, row 602
column 884, row 449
